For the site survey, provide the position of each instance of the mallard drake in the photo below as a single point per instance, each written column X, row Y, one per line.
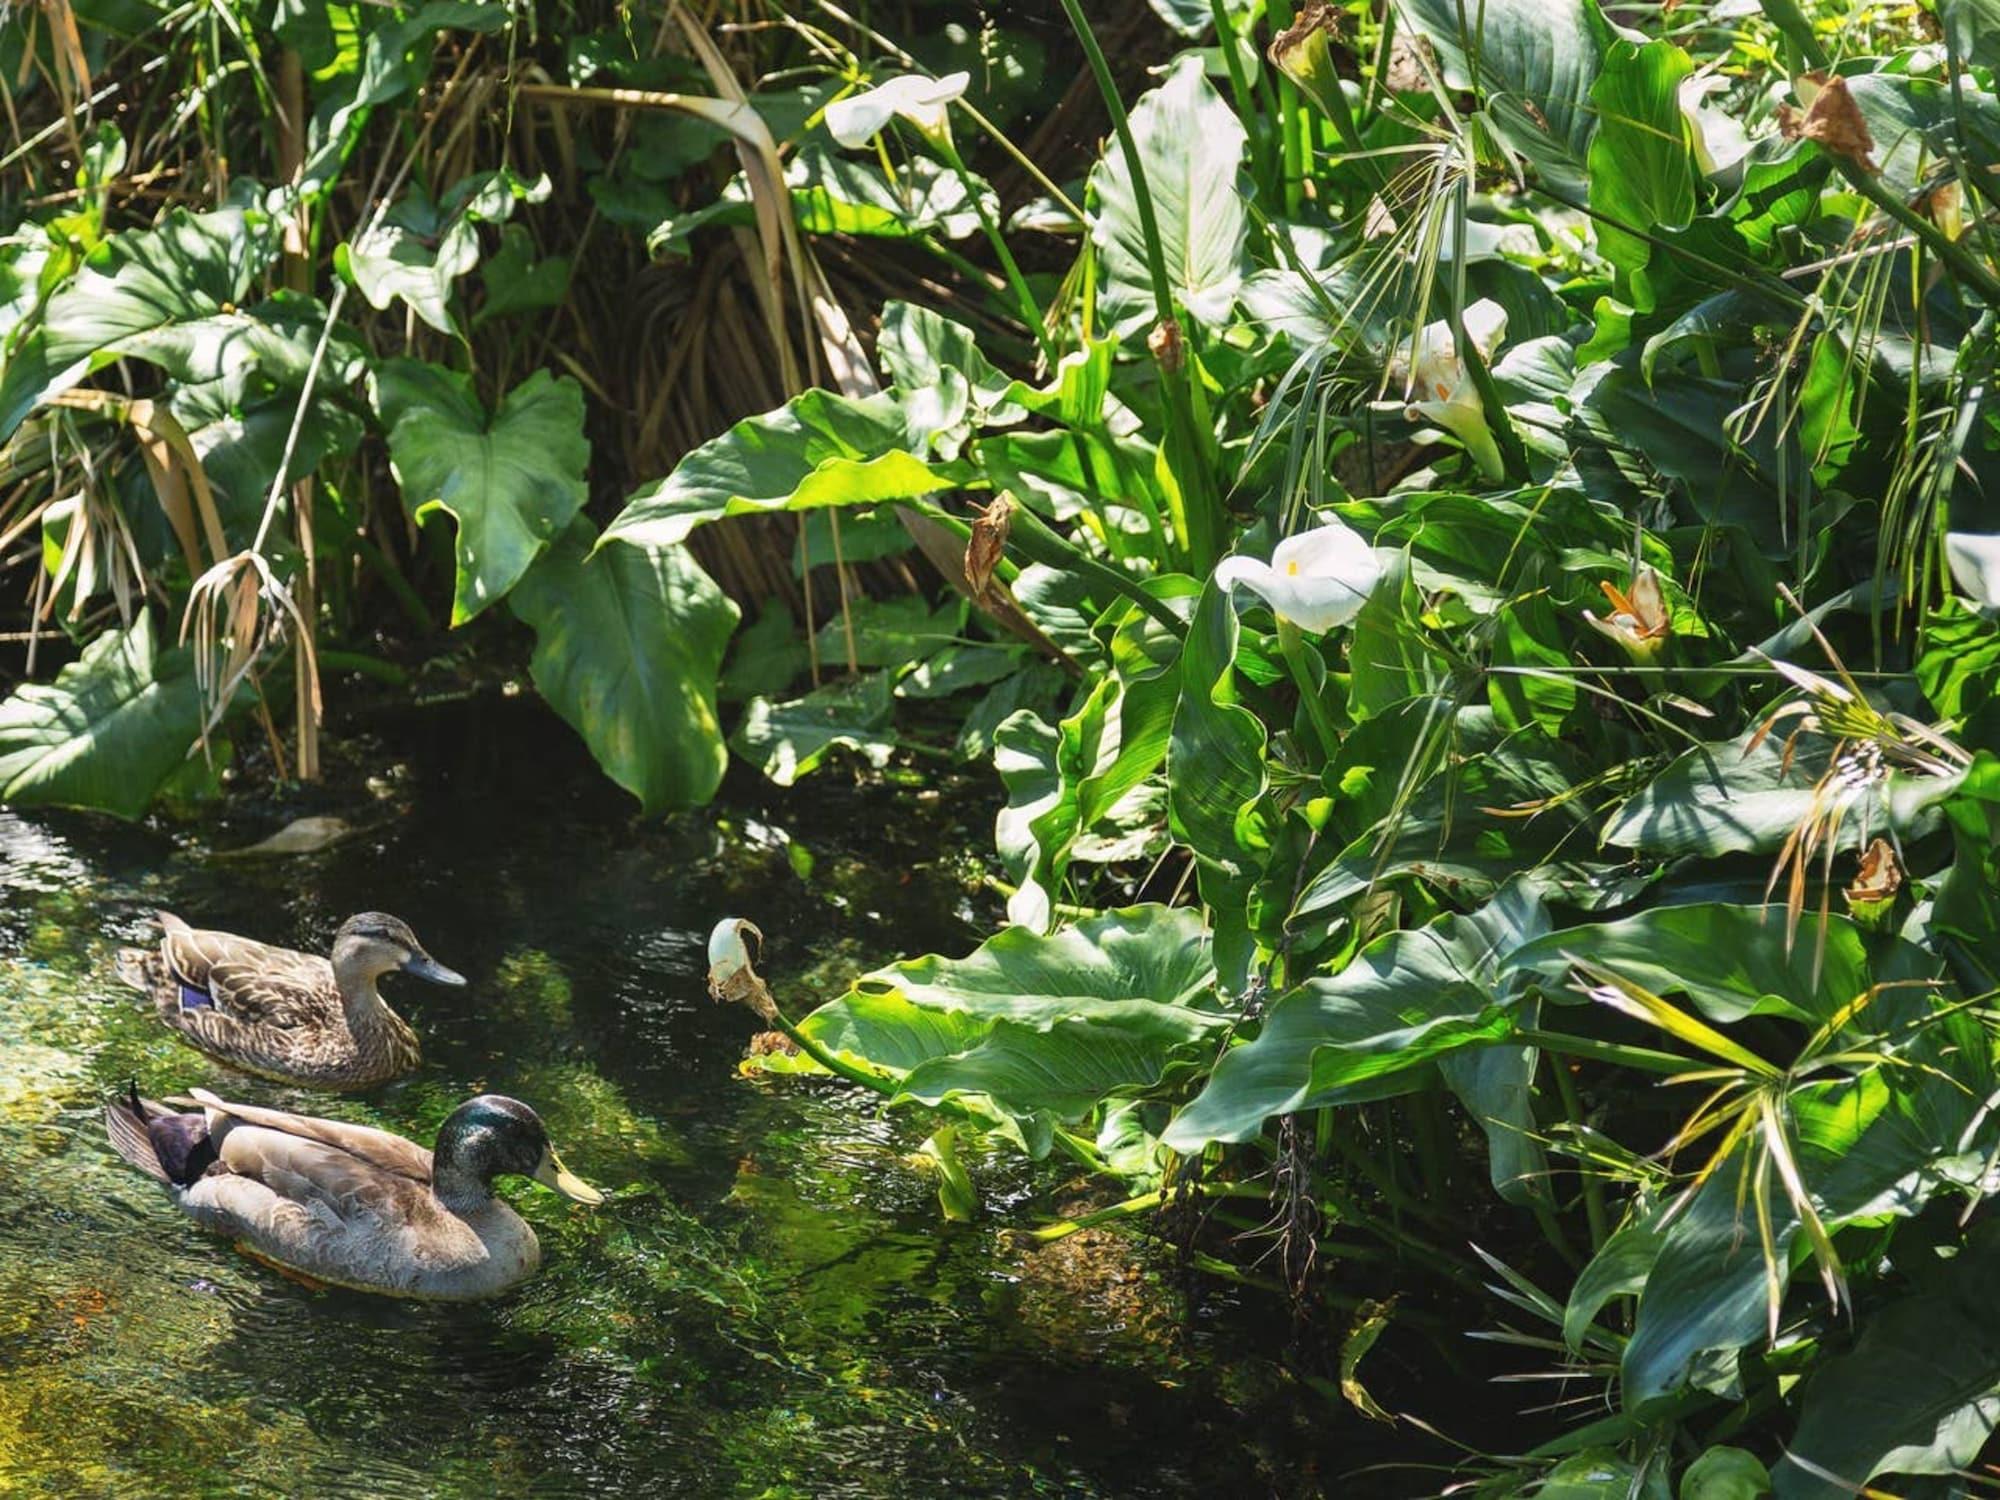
column 348, row 1204
column 291, row 1016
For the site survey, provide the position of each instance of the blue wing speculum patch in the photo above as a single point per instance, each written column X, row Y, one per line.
column 194, row 999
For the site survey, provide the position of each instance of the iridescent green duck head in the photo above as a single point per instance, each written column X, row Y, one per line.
column 375, row 943
column 494, row 1136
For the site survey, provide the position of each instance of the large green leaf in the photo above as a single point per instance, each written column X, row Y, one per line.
column 1116, row 738
column 628, row 644
column 1035, row 1029
column 818, row 449
column 1918, row 1394
column 1861, row 1146
column 512, row 481
column 1405, row 1000
column 1641, row 169
column 789, row 740
column 1535, row 62
column 1190, row 144
column 420, row 248
column 1216, row 778
column 112, row 727
column 835, row 194
column 1724, row 799
column 1730, row 960
column 132, row 293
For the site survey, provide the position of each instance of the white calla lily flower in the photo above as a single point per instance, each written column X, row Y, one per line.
column 1441, row 389
column 728, row 954
column 1719, row 141
column 924, row 102
column 1975, row 566
column 1318, row 579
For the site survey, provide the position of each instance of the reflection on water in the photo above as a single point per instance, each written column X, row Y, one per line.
column 769, row 1304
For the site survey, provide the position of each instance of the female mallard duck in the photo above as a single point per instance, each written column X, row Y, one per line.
column 350, row 1205
column 290, row 1016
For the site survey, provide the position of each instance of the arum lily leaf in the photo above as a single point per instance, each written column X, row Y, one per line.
column 1861, row 1146
column 1723, row 799
column 511, row 480
column 419, row 249
column 1641, row 169
column 819, row 449
column 1537, row 63
column 789, row 740
column 132, row 292
column 1035, row 1028
column 107, row 733
column 1730, row 960
column 1405, row 1000
column 1725, row 1474
column 1918, row 1394
column 628, row 644
column 1190, row 145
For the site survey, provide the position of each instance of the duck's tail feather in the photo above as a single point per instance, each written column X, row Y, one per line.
column 138, row 967
column 167, row 1146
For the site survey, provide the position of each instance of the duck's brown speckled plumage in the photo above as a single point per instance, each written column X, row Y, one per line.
column 277, row 1013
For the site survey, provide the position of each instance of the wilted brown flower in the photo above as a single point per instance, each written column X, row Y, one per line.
column 1831, row 119
column 987, row 544
column 1639, row 620
column 1411, row 64
column 1873, row 890
column 1301, row 51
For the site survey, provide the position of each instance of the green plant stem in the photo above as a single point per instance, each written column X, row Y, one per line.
column 1593, row 1190
column 398, row 586
column 1036, row 542
column 1300, row 658
column 1197, row 510
column 1024, row 299
column 1246, row 99
column 362, row 665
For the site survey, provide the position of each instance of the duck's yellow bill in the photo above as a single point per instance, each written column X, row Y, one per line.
column 552, row 1173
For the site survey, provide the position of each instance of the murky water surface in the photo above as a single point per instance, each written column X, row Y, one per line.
column 769, row 1304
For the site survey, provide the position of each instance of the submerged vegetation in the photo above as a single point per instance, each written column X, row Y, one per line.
column 1468, row 541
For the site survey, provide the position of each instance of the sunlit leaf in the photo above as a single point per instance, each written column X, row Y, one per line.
column 628, row 642
column 511, row 481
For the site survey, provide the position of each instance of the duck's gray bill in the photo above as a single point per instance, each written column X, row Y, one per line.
column 425, row 967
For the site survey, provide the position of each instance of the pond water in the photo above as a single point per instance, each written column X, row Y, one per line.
column 769, row 1303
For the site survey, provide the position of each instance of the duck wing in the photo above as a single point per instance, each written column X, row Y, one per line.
column 324, row 1211
column 248, row 981
column 378, row 1151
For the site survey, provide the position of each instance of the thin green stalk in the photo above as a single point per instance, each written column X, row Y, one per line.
column 1197, row 518
column 362, row 665
column 1246, row 99
column 1024, row 299
column 1300, row 659
column 1036, row 542
column 1593, row 1190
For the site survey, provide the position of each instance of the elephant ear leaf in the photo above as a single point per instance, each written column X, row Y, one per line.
column 628, row 646
column 1916, row 1395
column 1535, row 63
column 511, row 481
column 107, row 733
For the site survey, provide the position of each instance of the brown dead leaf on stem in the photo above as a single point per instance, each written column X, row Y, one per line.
column 987, row 545
column 1831, row 120
column 1412, row 65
